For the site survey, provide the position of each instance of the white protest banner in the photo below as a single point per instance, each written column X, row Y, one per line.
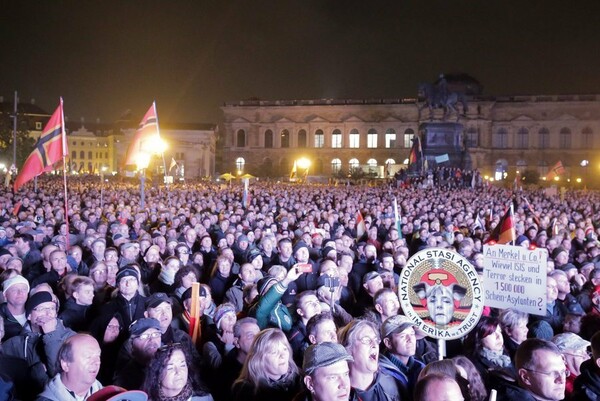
column 515, row 277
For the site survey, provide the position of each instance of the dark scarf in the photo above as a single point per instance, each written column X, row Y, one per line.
column 185, row 394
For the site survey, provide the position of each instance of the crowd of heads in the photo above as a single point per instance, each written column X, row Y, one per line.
column 199, row 294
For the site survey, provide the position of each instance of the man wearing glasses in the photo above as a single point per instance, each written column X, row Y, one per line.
column 361, row 340
column 541, row 373
column 40, row 339
column 143, row 342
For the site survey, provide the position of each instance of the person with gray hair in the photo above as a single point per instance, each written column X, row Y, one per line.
column 574, row 351
column 514, row 329
column 361, row 340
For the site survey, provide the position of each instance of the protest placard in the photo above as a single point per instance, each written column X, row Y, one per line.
column 515, row 277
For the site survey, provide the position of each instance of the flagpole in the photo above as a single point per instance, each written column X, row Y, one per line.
column 64, row 152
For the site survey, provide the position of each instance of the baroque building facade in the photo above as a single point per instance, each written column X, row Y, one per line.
column 503, row 134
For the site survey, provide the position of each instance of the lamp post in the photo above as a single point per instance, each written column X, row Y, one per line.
column 304, row 164
column 584, row 164
column 142, row 161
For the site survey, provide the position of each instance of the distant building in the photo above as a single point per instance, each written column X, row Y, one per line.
column 502, row 133
column 96, row 147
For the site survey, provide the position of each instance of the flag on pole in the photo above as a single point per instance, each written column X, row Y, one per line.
column 245, row 194
column 505, row 230
column 557, row 170
column 50, row 148
column 415, row 150
column 479, row 224
column 361, row 227
column 294, row 172
column 173, row 163
column 145, row 137
column 535, row 217
column 397, row 218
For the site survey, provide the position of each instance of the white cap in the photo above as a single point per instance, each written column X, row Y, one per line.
column 14, row 280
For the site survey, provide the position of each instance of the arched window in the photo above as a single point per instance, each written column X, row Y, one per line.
column 240, row 163
column 372, row 138
column 241, row 139
column 285, row 138
column 390, row 138
column 336, row 139
column 319, row 138
column 543, row 138
column 354, row 139
column 521, row 166
column 522, row 138
column 500, row 139
column 82, row 155
column 336, row 165
column 353, row 163
column 372, row 163
column 408, row 136
column 565, row 138
column 90, row 155
column 268, row 139
column 74, row 154
column 302, row 140
column 390, row 161
column 587, row 138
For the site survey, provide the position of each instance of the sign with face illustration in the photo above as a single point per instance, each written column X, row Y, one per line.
column 441, row 293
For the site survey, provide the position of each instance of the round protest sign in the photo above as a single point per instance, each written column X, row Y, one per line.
column 441, row 293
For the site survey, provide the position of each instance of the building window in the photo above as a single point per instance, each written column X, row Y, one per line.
column 523, row 138
column 241, row 139
column 542, row 167
column 90, row 155
column 390, row 138
column 390, row 162
column 38, row 126
column 353, row 163
column 106, row 155
column 587, row 137
column 74, row 154
column 544, row 138
column 74, row 143
column 472, row 138
column 268, row 139
column 500, row 139
column 82, row 155
column 240, row 163
column 565, row 138
column 285, row 138
column 319, row 138
column 302, row 141
column 372, row 163
column 336, row 166
column 336, row 139
column 354, row 139
column 408, row 136
column 372, row 138
column 521, row 166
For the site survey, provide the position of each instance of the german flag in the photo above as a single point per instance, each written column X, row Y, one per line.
column 504, row 232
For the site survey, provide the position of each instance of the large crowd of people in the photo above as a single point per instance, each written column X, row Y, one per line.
column 296, row 303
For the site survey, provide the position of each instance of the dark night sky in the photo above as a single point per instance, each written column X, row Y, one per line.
column 105, row 57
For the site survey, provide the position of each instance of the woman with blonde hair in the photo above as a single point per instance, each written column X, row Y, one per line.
column 269, row 372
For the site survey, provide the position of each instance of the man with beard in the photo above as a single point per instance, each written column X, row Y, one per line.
column 143, row 342
column 78, row 365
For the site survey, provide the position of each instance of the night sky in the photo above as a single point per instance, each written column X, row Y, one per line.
column 105, row 57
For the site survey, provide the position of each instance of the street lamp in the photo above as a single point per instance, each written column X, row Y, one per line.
column 304, row 164
column 584, row 164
